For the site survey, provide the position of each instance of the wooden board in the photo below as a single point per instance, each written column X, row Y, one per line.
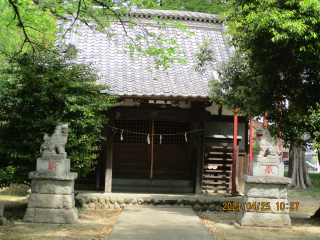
column 219, row 178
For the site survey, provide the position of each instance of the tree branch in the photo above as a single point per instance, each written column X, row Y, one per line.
column 15, row 15
column 119, row 18
column 34, row 29
column 27, row 39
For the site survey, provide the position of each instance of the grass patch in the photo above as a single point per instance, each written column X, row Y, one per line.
column 314, row 192
column 15, row 201
column 79, row 205
column 14, row 207
column 15, row 190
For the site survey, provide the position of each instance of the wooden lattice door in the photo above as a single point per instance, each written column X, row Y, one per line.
column 132, row 155
column 132, row 152
column 172, row 153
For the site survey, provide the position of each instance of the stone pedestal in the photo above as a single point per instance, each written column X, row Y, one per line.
column 3, row 220
column 52, row 193
column 263, row 200
column 267, row 169
column 57, row 163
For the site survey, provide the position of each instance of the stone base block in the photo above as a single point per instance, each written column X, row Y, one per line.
column 237, row 225
column 266, row 180
column 1, row 209
column 53, row 176
column 53, row 166
column 3, row 221
column 54, row 201
column 54, row 156
column 267, row 159
column 43, row 215
column 255, row 219
column 260, row 190
column 52, row 187
column 267, row 169
column 265, row 205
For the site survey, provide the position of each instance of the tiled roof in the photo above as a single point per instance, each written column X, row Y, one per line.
column 129, row 77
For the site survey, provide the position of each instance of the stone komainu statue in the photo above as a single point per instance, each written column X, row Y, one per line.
column 57, row 142
column 267, row 144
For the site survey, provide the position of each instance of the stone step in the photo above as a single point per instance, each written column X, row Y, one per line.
column 152, row 185
column 149, row 189
column 151, row 182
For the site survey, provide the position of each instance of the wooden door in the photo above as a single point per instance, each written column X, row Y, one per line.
column 132, row 150
column 132, row 155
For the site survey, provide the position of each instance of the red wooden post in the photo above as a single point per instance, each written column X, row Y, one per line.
column 265, row 124
column 265, row 121
column 234, row 164
column 251, row 142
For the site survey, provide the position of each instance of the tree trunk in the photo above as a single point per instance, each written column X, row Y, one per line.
column 297, row 168
column 317, row 213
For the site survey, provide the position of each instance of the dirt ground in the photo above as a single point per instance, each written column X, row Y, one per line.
column 97, row 224
column 221, row 227
column 94, row 224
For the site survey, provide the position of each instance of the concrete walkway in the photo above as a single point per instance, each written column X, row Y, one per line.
column 159, row 223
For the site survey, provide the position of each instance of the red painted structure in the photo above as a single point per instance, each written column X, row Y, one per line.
column 265, row 121
column 234, row 164
column 251, row 143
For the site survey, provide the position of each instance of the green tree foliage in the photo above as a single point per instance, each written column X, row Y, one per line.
column 31, row 19
column 40, row 27
column 277, row 60
column 205, row 6
column 276, row 66
column 46, row 89
column 38, row 24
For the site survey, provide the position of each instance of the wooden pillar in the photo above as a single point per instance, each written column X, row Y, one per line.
column 200, row 149
column 280, row 145
column 97, row 180
column 251, row 142
column 109, row 158
column 191, row 174
column 265, row 121
column 235, row 152
column 247, row 148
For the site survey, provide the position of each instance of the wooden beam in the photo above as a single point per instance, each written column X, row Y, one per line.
column 223, row 118
column 109, row 158
column 200, row 149
column 167, row 98
column 158, row 114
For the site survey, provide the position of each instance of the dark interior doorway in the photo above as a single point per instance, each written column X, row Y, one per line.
column 132, row 153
